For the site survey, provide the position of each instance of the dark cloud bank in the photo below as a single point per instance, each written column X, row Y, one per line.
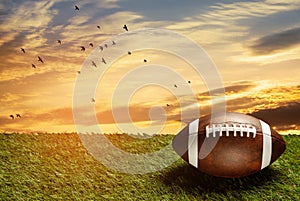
column 284, row 117
column 276, row 42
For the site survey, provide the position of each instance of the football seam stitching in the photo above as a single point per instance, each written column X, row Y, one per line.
column 236, row 128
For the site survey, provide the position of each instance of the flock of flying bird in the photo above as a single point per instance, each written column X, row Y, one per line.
column 39, row 58
column 82, row 48
column 17, row 116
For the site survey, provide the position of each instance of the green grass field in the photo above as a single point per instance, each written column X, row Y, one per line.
column 57, row 167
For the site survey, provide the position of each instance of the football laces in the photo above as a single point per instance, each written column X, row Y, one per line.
column 225, row 128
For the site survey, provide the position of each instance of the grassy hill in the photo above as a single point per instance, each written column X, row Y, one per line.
column 57, row 167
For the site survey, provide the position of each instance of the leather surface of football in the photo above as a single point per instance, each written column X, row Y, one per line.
column 229, row 145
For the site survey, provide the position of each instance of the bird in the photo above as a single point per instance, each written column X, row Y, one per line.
column 101, row 48
column 40, row 59
column 82, row 48
column 98, row 26
column 105, row 45
column 168, row 105
column 33, row 66
column 125, row 27
column 23, row 50
column 94, row 64
column 93, row 100
column 145, row 60
column 129, row 52
column 103, row 60
column 175, row 85
column 189, row 82
column 18, row 115
column 78, row 72
column 11, row 116
column 59, row 42
column 91, row 44
column 76, row 7
column 113, row 42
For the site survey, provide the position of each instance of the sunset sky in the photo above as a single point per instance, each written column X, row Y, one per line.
column 254, row 45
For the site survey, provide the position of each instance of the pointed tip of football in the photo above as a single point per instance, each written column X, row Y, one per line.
column 180, row 143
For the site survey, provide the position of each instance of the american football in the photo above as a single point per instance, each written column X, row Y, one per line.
column 228, row 145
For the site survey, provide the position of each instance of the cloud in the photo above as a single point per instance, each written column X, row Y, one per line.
column 34, row 16
column 34, row 94
column 264, row 97
column 227, row 15
column 237, row 88
column 61, row 118
column 249, row 9
column 182, row 109
column 36, row 26
column 276, row 42
column 230, row 25
column 277, row 105
column 283, row 117
column 137, row 113
column 279, row 58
